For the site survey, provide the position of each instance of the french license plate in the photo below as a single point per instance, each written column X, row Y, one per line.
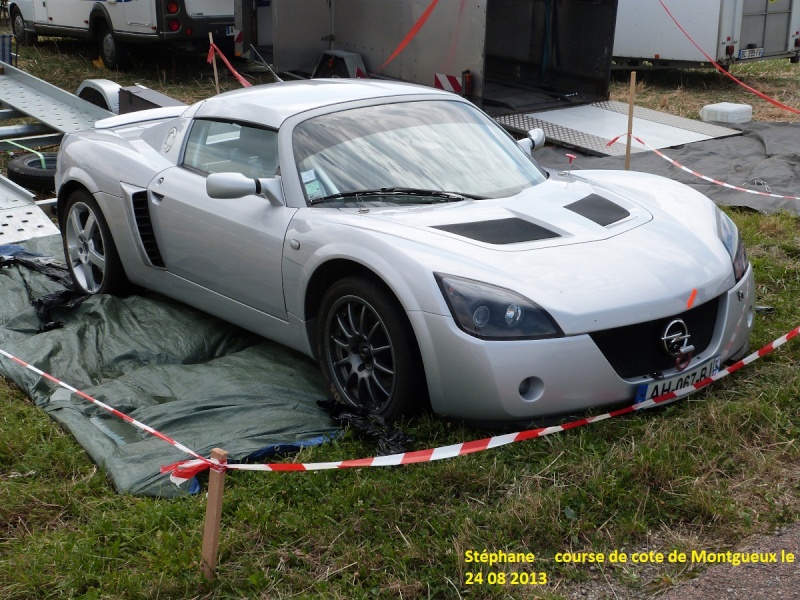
column 681, row 380
column 229, row 30
column 751, row 53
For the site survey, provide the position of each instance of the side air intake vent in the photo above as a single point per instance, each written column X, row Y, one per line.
column 500, row 231
column 144, row 226
column 598, row 209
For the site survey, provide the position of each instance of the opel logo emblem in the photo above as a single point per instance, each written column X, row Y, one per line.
column 676, row 343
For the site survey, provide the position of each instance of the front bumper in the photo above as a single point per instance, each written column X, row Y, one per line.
column 506, row 381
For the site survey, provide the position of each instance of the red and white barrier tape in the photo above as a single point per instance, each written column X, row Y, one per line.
column 107, row 408
column 725, row 72
column 184, row 470
column 212, row 49
column 700, row 175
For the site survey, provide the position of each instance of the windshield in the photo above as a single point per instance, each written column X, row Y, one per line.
column 432, row 146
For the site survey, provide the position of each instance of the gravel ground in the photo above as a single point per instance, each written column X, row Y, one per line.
column 779, row 580
column 753, row 581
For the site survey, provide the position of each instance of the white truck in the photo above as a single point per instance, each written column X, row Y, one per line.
column 729, row 31
column 113, row 24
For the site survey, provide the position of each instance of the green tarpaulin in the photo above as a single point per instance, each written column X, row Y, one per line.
column 201, row 381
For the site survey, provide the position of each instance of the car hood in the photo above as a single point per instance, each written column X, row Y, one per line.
column 583, row 249
column 552, row 214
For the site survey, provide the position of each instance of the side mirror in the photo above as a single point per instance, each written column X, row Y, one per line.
column 533, row 141
column 236, row 185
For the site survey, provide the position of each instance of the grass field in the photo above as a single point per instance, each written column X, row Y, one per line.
column 699, row 474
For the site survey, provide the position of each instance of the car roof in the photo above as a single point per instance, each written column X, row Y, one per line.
column 273, row 103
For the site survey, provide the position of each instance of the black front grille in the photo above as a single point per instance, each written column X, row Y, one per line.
column 637, row 350
column 141, row 212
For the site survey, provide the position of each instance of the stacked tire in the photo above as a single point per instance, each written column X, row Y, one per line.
column 28, row 171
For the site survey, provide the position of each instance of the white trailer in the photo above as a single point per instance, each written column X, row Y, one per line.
column 506, row 55
column 729, row 31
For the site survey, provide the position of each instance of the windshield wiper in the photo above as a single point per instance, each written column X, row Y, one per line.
column 438, row 195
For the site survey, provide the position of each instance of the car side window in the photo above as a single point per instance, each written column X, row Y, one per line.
column 224, row 147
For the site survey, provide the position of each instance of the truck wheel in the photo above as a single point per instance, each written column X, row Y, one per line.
column 27, row 170
column 113, row 54
column 24, row 38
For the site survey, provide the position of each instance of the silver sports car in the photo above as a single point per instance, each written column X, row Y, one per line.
column 404, row 240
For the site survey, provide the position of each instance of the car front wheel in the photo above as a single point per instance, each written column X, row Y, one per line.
column 91, row 255
column 367, row 350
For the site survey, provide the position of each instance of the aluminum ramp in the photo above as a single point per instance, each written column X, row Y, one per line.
column 56, row 112
column 590, row 128
column 20, row 217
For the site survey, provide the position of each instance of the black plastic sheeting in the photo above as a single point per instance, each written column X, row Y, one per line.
column 200, row 380
column 765, row 158
column 388, row 439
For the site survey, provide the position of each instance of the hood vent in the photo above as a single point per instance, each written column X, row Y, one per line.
column 500, row 231
column 598, row 209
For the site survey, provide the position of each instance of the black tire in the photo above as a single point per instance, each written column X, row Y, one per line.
column 26, row 170
column 114, row 55
column 24, row 38
column 367, row 350
column 89, row 249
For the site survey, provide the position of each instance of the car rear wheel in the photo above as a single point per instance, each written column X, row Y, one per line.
column 90, row 251
column 367, row 351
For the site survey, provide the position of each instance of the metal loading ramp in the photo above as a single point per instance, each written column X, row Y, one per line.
column 29, row 96
column 23, row 98
column 20, row 218
column 591, row 128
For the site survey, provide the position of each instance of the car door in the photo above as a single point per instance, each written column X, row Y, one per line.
column 233, row 247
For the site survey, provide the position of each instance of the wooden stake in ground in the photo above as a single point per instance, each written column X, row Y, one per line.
column 214, row 61
column 216, row 485
column 631, row 101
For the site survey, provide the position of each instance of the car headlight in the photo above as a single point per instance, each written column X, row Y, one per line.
column 729, row 234
column 494, row 313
